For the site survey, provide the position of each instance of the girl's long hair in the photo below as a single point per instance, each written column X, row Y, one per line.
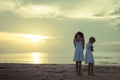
column 79, row 33
column 82, row 37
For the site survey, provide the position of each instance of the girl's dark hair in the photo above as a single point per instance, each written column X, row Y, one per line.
column 79, row 33
column 92, row 39
column 82, row 37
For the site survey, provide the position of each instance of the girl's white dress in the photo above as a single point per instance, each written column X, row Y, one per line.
column 78, row 56
column 89, row 55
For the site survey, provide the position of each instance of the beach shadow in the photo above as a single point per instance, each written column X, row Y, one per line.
column 89, row 77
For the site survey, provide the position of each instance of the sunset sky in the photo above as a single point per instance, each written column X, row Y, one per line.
column 50, row 25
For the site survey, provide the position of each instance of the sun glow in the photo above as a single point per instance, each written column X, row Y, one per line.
column 34, row 38
column 36, row 57
column 22, row 37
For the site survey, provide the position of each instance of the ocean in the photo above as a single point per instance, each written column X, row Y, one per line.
column 101, row 58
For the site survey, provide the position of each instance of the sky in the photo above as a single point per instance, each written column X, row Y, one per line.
column 50, row 25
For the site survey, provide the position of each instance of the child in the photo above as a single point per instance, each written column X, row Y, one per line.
column 79, row 47
column 89, row 59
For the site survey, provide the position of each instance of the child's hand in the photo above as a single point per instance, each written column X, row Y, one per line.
column 92, row 48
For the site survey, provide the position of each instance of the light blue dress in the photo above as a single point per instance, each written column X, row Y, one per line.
column 78, row 56
column 89, row 55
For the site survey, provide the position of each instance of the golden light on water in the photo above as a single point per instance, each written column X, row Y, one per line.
column 36, row 57
column 26, row 42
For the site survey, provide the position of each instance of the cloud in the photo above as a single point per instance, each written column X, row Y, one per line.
column 116, row 20
column 116, row 1
column 28, row 10
column 7, row 5
column 112, row 16
column 38, row 11
column 52, row 8
column 111, row 10
column 118, row 25
column 99, row 14
column 116, row 12
column 17, row 37
column 108, row 14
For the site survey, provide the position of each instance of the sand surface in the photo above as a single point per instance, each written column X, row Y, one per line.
column 55, row 72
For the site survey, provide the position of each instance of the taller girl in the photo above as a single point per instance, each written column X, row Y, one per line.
column 79, row 47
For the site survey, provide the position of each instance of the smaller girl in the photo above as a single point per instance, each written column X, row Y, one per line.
column 89, row 59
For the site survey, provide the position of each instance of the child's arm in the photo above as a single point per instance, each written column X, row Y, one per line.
column 92, row 48
column 74, row 43
column 83, row 44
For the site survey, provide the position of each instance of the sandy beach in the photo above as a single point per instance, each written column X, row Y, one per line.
column 55, row 72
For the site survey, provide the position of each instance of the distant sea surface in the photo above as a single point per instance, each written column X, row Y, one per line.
column 101, row 58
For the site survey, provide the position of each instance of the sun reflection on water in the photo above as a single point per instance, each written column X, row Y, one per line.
column 36, row 57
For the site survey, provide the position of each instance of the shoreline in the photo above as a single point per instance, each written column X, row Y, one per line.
column 108, row 65
column 18, row 71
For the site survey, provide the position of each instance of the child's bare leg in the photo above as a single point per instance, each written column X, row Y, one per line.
column 89, row 65
column 80, row 68
column 92, row 69
column 77, row 68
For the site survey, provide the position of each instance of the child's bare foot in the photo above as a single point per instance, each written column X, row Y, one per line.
column 92, row 74
column 77, row 74
column 80, row 74
column 89, row 74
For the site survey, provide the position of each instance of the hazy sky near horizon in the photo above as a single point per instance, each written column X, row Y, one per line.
column 59, row 20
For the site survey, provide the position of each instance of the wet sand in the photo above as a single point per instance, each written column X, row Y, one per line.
column 55, row 72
